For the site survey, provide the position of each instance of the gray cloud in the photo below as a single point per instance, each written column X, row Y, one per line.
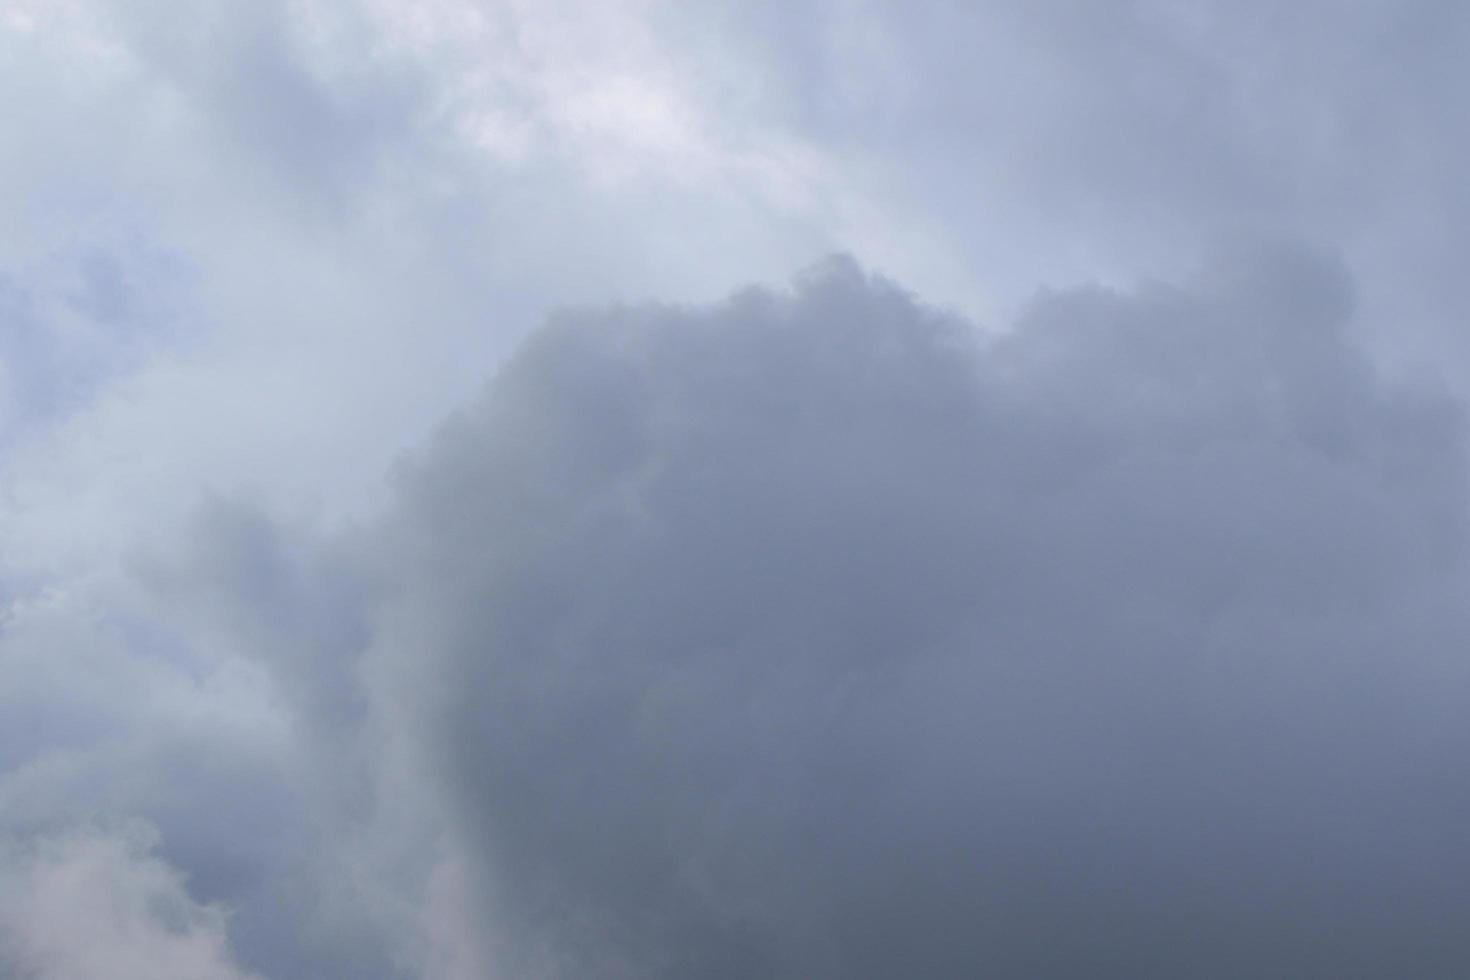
column 814, row 634
column 807, row 633
column 1058, row 140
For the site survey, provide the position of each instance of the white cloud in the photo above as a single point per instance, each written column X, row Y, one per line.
column 96, row 905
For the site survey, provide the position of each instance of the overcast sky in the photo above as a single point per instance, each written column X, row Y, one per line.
column 539, row 490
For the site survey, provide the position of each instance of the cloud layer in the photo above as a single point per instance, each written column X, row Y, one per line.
column 1089, row 603
column 812, row 634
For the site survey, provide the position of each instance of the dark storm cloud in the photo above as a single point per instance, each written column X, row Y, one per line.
column 814, row 634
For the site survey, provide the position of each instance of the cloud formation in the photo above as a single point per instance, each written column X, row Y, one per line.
column 100, row 905
column 815, row 634
column 1093, row 607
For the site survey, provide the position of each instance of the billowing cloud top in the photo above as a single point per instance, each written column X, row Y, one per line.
column 1064, row 579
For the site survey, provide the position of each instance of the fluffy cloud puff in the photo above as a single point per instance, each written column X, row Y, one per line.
column 95, row 904
column 817, row 634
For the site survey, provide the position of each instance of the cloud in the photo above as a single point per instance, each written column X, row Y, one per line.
column 808, row 632
column 98, row 905
column 210, row 693
column 274, row 185
column 816, row 634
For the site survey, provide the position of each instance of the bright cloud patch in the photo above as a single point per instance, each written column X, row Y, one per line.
column 96, row 905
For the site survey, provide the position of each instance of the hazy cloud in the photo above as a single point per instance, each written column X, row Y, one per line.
column 1095, row 606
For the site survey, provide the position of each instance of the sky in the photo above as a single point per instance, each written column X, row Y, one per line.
column 524, row 489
